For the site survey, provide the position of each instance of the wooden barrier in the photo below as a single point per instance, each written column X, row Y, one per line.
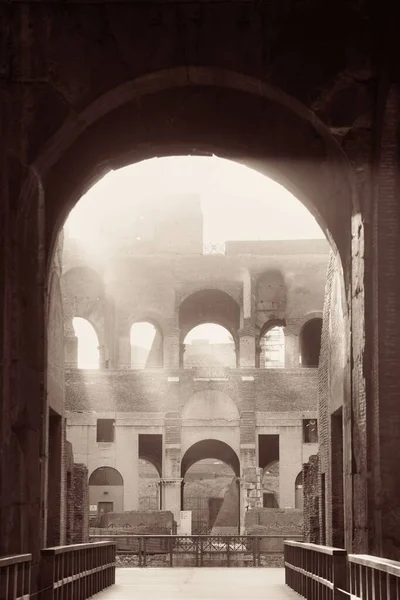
column 316, row 572
column 76, row 571
column 373, row 577
column 15, row 577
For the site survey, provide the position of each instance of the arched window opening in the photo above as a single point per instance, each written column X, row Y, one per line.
column 310, row 343
column 270, row 485
column 146, row 346
column 88, row 344
column 106, row 476
column 298, row 489
column 149, row 486
column 106, row 495
column 272, row 349
column 209, row 345
column 209, row 488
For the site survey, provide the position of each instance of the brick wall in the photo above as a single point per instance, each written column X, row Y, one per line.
column 149, row 391
column 311, row 493
column 331, row 390
column 81, row 504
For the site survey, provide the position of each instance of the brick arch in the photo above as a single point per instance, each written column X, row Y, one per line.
column 196, row 109
column 84, row 296
column 210, row 448
column 209, row 306
column 106, row 476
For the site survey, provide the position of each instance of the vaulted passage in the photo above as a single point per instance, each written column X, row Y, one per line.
column 100, row 342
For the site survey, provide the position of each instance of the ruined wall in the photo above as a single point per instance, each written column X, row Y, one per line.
column 81, row 504
column 148, row 391
column 311, row 504
column 331, row 397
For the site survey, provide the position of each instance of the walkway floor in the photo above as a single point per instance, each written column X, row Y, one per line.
column 199, row 584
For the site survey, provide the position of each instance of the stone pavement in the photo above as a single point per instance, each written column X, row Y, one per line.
column 198, row 584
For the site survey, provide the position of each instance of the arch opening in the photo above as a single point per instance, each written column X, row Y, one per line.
column 106, row 494
column 88, row 344
column 209, row 345
column 298, row 490
column 149, row 485
column 207, row 485
column 270, row 485
column 310, row 342
column 272, row 348
column 207, row 449
column 146, row 342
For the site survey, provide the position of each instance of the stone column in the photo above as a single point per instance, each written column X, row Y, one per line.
column 171, row 496
column 247, row 346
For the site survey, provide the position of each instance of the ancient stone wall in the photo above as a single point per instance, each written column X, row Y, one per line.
column 311, row 496
column 148, row 391
column 81, row 504
column 331, row 396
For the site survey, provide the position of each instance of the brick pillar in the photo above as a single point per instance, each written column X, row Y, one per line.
column 249, row 496
column 292, row 345
column 171, row 481
column 172, row 349
column 81, row 504
column 289, row 464
column 380, row 429
column 247, row 346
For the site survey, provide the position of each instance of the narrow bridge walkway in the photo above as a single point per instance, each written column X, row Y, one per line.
column 199, row 584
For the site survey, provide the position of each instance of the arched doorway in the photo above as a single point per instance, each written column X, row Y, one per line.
column 270, row 485
column 310, row 342
column 149, row 485
column 106, row 492
column 298, row 485
column 82, row 149
column 210, row 469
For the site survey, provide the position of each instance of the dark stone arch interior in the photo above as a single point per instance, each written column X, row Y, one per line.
column 310, row 342
column 210, row 449
column 268, row 137
column 106, row 476
column 150, row 449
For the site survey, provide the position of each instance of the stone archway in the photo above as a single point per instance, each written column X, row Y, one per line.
column 181, row 115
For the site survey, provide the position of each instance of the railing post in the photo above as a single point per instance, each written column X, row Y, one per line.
column 339, row 576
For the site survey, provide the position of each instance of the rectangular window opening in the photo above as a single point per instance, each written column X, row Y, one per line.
column 105, row 430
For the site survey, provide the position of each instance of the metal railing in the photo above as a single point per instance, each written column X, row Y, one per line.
column 15, row 577
column 373, row 577
column 196, row 550
column 76, row 571
column 316, row 572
